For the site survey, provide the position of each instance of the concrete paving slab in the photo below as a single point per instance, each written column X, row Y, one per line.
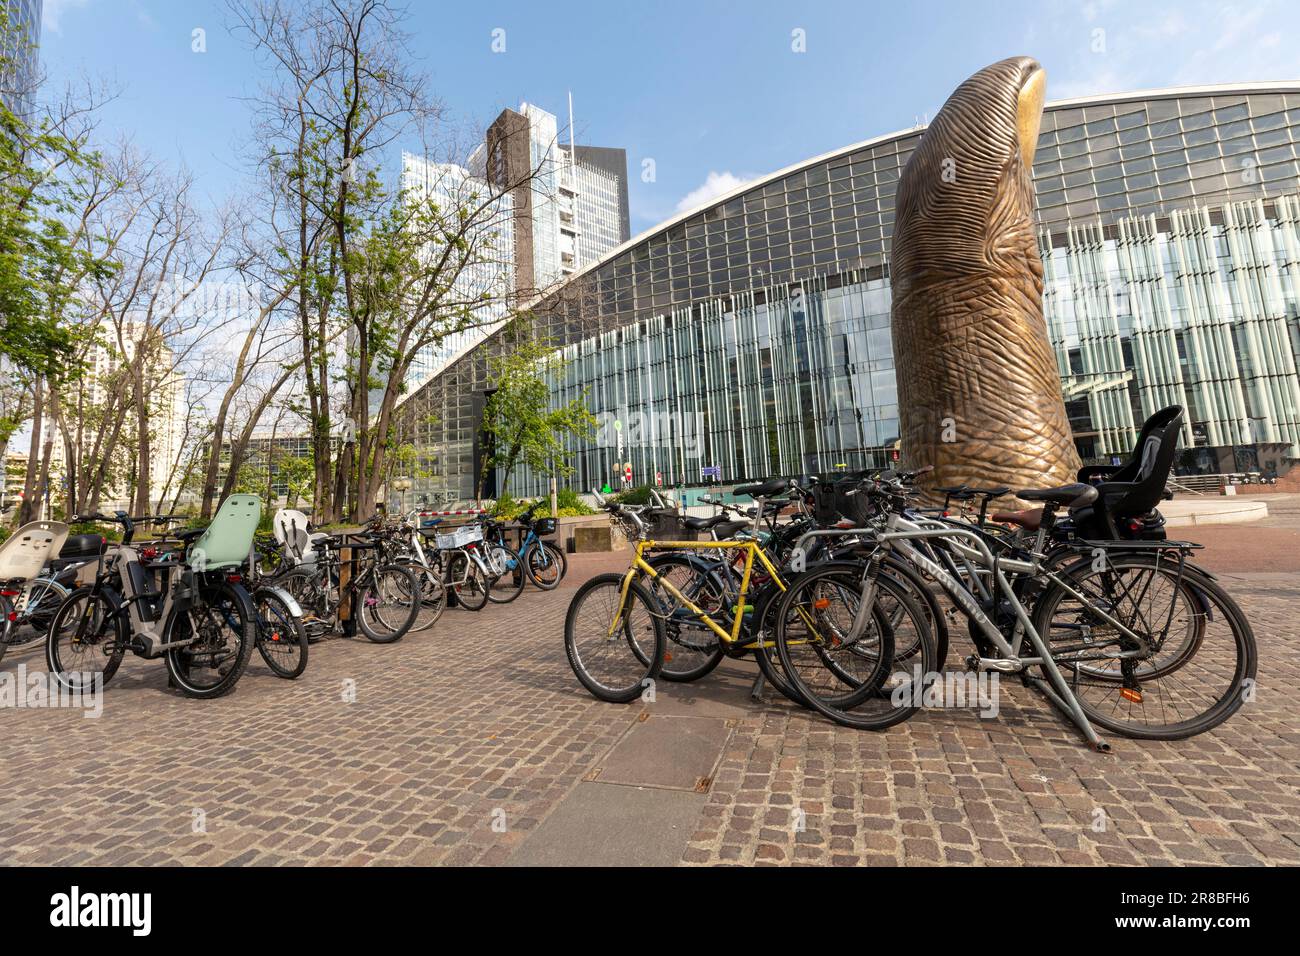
column 601, row 824
column 677, row 753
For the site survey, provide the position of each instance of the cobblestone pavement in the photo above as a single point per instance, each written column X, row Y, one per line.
column 473, row 743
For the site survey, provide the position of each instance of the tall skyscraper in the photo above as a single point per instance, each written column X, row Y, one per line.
column 19, row 46
column 490, row 275
column 561, row 208
column 600, row 180
column 570, row 201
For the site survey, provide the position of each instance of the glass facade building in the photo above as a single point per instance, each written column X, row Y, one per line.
column 21, row 47
column 753, row 334
column 491, row 274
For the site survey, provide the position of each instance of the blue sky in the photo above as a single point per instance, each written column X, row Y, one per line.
column 713, row 92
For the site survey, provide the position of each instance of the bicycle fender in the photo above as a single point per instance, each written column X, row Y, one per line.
column 283, row 595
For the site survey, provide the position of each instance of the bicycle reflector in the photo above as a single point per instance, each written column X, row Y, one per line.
column 234, row 578
column 822, row 604
column 10, row 592
column 1131, row 694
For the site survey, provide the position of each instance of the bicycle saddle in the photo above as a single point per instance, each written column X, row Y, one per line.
column 764, row 489
column 958, row 492
column 1072, row 496
column 702, row 524
column 1029, row 519
column 726, row 529
column 82, row 545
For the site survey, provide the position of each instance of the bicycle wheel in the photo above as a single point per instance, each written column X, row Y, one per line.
column 857, row 682
column 1199, row 651
column 766, row 605
column 281, row 637
column 510, row 583
column 306, row 586
column 601, row 631
column 545, row 564
column 223, row 625
column 468, row 581
column 85, row 637
column 388, row 603
column 7, row 627
column 433, row 596
column 691, row 650
column 43, row 598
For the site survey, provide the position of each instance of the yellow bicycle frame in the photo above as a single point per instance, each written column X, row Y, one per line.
column 641, row 566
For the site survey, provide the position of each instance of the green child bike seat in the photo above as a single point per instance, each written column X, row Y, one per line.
column 228, row 540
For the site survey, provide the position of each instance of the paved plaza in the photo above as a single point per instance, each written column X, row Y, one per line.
column 474, row 744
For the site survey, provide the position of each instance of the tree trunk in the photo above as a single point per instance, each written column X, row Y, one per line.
column 43, row 493
column 33, row 453
column 214, row 458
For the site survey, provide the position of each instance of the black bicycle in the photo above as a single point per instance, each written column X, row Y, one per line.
column 154, row 603
column 383, row 598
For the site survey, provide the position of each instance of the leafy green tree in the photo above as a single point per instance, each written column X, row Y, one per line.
column 298, row 474
column 519, row 421
column 42, row 265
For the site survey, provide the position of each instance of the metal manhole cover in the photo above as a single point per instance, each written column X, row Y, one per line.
column 675, row 753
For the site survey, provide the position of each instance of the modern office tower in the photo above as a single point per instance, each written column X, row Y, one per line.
column 20, row 51
column 570, row 201
column 490, row 274
column 554, row 215
column 602, row 220
column 752, row 334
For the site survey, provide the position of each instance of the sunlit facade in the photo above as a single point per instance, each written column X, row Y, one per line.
column 752, row 335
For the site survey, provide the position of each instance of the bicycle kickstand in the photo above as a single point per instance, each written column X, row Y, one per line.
column 756, row 691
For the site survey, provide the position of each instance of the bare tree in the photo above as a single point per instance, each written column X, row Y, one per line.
column 388, row 272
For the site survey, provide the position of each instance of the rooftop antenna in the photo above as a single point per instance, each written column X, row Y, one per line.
column 573, row 151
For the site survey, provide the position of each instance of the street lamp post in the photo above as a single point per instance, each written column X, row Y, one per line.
column 401, row 486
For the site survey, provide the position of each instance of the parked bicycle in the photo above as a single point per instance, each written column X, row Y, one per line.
column 544, row 562
column 1128, row 636
column 184, row 606
column 380, row 596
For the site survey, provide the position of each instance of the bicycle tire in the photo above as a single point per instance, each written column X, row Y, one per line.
column 634, row 675
column 43, row 600
column 1202, row 597
column 7, row 627
column 281, row 636
column 509, row 585
column 433, row 596
column 542, row 559
column 845, row 707
column 471, row 587
column 389, row 581
column 694, row 656
column 68, row 614
column 214, row 601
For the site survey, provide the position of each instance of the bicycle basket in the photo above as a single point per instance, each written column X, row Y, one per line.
column 544, row 526
column 857, row 508
column 459, row 537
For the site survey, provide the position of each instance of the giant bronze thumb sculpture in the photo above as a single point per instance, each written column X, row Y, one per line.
column 979, row 396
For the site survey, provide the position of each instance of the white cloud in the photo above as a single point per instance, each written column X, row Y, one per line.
column 53, row 10
column 1105, row 47
column 715, row 185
